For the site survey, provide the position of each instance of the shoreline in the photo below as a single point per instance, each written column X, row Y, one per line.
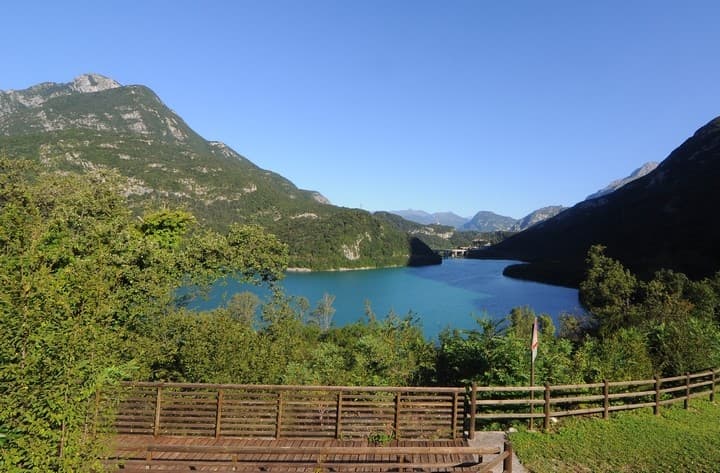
column 333, row 270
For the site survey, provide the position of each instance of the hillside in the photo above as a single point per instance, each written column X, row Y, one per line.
column 485, row 221
column 96, row 123
column 617, row 184
column 657, row 221
column 434, row 235
column 537, row 216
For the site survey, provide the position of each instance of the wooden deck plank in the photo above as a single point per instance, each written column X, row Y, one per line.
column 211, row 454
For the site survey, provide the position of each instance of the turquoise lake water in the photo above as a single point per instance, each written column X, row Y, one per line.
column 447, row 295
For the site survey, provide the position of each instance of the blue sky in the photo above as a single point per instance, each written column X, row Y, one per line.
column 381, row 104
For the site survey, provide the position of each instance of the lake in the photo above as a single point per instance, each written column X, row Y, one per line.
column 447, row 295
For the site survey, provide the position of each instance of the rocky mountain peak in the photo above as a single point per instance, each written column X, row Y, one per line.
column 89, row 83
column 643, row 170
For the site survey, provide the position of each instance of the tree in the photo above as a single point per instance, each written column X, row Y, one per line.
column 83, row 284
column 608, row 291
column 323, row 313
column 243, row 307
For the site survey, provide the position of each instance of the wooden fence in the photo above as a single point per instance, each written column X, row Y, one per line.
column 345, row 412
column 493, row 404
column 340, row 412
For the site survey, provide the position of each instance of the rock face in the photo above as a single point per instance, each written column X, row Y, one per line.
column 35, row 96
column 656, row 221
column 91, row 102
column 617, row 184
column 537, row 216
column 91, row 83
column 96, row 124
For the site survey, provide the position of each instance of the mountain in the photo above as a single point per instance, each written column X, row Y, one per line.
column 485, row 221
column 657, row 221
column 450, row 219
column 425, row 218
column 617, row 184
column 537, row 216
column 95, row 123
column 434, row 235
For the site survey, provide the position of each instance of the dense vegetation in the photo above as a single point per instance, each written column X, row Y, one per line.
column 84, row 284
column 221, row 191
column 89, row 297
column 677, row 440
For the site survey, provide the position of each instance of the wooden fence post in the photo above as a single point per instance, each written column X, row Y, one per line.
column 278, row 415
column 218, row 413
column 507, row 461
column 473, row 406
column 712, row 387
column 686, row 402
column 606, row 399
column 396, row 420
column 338, row 415
column 158, row 406
column 656, row 408
column 531, row 420
column 454, row 415
column 546, row 408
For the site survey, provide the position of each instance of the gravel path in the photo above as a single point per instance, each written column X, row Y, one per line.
column 492, row 440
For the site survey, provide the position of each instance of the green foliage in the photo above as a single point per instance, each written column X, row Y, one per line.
column 669, row 320
column 287, row 346
column 342, row 238
column 686, row 345
column 608, row 291
column 496, row 355
column 622, row 356
column 220, row 190
column 380, row 437
column 677, row 440
column 166, row 227
column 84, row 285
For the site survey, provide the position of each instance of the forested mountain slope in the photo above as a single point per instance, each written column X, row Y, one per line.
column 662, row 220
column 96, row 123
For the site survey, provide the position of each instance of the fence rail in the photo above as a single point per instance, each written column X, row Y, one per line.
column 516, row 402
column 340, row 412
column 351, row 412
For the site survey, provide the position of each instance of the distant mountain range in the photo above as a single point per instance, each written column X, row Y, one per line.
column 437, row 218
column 483, row 221
column 487, row 221
column 660, row 220
column 95, row 123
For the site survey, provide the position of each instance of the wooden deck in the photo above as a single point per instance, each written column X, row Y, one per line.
column 136, row 453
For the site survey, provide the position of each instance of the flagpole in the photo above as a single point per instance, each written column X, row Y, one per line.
column 533, row 354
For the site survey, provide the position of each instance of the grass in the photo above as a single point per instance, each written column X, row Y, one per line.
column 676, row 440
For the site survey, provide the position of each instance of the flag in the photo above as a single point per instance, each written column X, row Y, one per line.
column 534, row 342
